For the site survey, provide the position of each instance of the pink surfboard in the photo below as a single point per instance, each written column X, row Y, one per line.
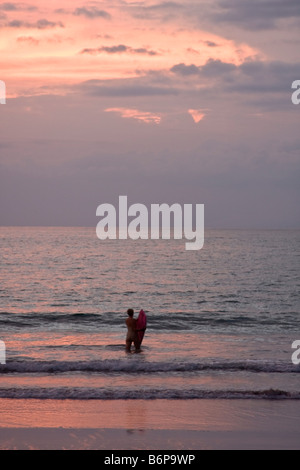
column 141, row 325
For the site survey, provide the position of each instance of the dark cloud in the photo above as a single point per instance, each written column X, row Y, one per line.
column 61, row 11
column 250, row 76
column 161, row 10
column 110, row 50
column 137, row 87
column 87, row 12
column 256, row 14
column 40, row 24
column 265, row 77
column 143, row 50
column 244, row 168
column 91, row 12
column 210, row 43
column 265, row 86
column 117, row 50
column 185, row 70
column 217, row 67
column 212, row 68
column 164, row 6
column 9, row 6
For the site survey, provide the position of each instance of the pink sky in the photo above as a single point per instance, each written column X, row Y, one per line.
column 56, row 44
column 180, row 101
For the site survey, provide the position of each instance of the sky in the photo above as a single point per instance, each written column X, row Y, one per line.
column 163, row 101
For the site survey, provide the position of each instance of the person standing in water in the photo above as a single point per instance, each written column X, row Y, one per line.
column 132, row 336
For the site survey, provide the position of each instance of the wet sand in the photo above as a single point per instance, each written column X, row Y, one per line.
column 149, row 425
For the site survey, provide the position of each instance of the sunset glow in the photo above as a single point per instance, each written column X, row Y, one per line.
column 197, row 115
column 103, row 95
column 145, row 117
column 149, row 218
column 54, row 46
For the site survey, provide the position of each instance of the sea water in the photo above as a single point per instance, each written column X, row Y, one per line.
column 221, row 321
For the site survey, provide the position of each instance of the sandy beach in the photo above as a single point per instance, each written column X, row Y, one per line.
column 150, row 425
column 149, row 165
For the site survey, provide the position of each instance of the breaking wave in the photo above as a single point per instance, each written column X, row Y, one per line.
column 137, row 367
column 67, row 393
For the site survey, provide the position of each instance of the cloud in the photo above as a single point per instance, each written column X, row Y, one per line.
column 263, row 85
column 197, row 115
column 256, row 14
column 91, row 12
column 217, row 67
column 164, row 6
column 40, row 24
column 144, row 50
column 142, row 116
column 54, row 39
column 265, row 77
column 126, row 88
column 28, row 39
column 9, row 6
column 210, row 43
column 162, row 10
column 121, row 48
column 183, row 69
column 250, row 76
column 211, row 68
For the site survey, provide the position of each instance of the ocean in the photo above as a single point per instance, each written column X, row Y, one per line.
column 221, row 321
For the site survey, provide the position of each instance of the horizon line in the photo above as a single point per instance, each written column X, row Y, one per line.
column 207, row 228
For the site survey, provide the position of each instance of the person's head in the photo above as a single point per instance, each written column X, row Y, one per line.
column 130, row 312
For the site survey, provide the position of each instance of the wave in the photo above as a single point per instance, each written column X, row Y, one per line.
column 70, row 393
column 31, row 319
column 170, row 321
column 134, row 367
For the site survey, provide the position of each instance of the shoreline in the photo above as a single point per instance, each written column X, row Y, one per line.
column 135, row 439
column 150, row 425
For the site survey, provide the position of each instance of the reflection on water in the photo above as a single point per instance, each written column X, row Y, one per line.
column 221, row 321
